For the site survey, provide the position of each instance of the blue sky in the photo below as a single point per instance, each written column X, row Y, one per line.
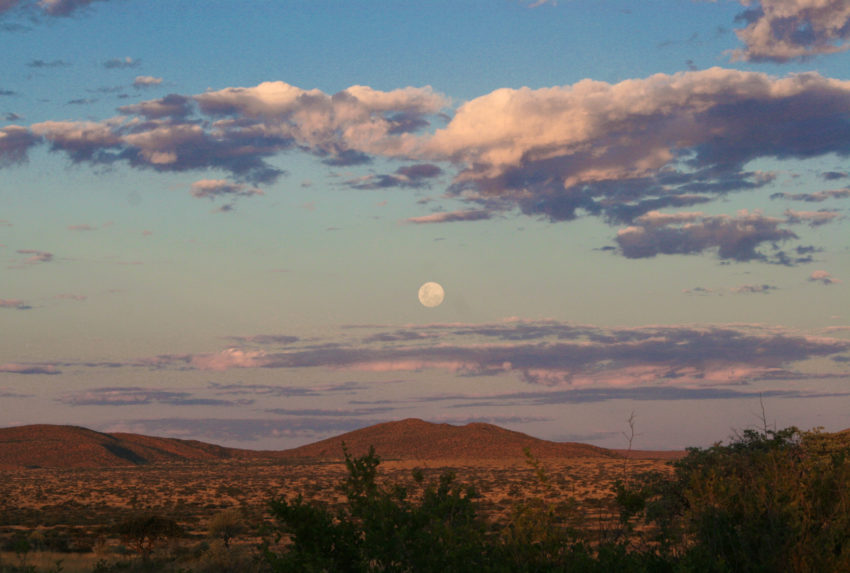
column 215, row 217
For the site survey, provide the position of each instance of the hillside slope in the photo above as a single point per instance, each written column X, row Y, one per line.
column 46, row 445
column 417, row 439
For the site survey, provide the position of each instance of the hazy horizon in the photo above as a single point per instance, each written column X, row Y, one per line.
column 215, row 219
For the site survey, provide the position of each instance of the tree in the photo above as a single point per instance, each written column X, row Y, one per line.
column 226, row 525
column 144, row 532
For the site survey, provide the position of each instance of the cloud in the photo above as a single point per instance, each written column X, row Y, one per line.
column 615, row 151
column 83, row 227
column 239, row 128
column 49, row 64
column 286, row 391
column 17, row 368
column 622, row 150
column 823, row 277
column 330, row 413
column 172, row 105
column 409, row 176
column 121, row 63
column 35, row 256
column 215, row 188
column 813, row 218
column 784, row 30
column 15, row 303
column 358, row 118
column 742, row 289
column 752, row 289
column 817, row 197
column 639, row 393
column 736, row 238
column 268, row 339
column 146, row 82
column 137, row 396
column 551, row 353
column 15, row 142
column 451, row 217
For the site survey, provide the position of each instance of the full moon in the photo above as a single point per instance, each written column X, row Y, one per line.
column 431, row 294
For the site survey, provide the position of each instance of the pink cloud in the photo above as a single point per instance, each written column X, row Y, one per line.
column 36, row 256
column 16, row 368
column 783, row 30
column 230, row 358
column 146, row 81
column 213, row 188
column 823, row 277
column 451, row 217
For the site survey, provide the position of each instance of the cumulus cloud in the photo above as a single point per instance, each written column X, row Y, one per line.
column 615, row 151
column 146, row 81
column 451, row 217
column 172, row 105
column 737, row 238
column 621, row 150
column 358, row 118
column 783, row 30
column 823, row 277
column 241, row 127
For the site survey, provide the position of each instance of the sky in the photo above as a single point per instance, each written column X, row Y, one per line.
column 215, row 217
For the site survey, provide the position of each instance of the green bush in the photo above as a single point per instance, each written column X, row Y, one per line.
column 769, row 501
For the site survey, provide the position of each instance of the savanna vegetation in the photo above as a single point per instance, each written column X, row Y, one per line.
column 767, row 501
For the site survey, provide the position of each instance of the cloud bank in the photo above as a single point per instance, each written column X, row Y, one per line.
column 621, row 152
column 548, row 353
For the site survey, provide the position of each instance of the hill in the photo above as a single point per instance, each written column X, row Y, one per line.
column 417, row 439
column 46, row 445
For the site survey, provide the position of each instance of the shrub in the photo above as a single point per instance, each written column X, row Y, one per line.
column 146, row 531
column 382, row 528
column 768, row 501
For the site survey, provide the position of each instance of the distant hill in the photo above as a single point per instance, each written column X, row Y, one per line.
column 417, row 439
column 47, row 445
column 412, row 439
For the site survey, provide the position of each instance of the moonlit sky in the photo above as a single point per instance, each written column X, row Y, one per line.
column 215, row 216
